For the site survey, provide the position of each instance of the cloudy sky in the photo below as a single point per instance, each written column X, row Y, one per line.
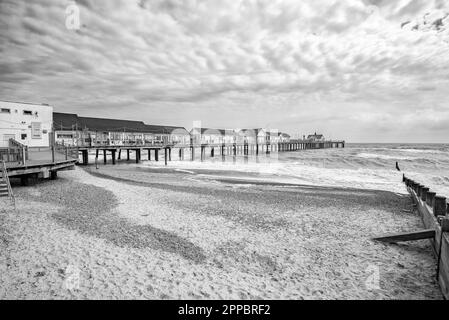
column 361, row 70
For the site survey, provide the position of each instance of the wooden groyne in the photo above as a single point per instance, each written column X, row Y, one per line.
column 434, row 212
column 223, row 150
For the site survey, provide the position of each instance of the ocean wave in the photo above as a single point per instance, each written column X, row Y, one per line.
column 385, row 157
column 374, row 179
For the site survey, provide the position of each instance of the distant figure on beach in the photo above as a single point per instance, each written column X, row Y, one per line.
column 397, row 166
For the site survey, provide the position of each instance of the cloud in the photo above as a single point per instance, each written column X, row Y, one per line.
column 197, row 58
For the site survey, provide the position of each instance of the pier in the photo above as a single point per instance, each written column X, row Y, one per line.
column 189, row 151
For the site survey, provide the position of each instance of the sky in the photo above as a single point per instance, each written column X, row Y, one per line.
column 359, row 70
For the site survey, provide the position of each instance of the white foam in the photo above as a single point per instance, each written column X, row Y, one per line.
column 375, row 179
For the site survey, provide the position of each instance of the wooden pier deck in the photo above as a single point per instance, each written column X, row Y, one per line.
column 214, row 149
column 40, row 163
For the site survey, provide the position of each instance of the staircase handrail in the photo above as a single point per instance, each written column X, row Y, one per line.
column 8, row 183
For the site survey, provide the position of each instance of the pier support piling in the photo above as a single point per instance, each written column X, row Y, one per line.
column 165, row 155
column 113, row 156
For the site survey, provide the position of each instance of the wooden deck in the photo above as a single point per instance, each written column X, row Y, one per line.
column 40, row 163
column 214, row 149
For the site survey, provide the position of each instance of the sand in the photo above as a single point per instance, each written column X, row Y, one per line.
column 124, row 232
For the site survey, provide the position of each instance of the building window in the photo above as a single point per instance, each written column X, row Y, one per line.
column 36, row 130
column 65, row 136
column 5, row 110
column 27, row 112
column 23, row 136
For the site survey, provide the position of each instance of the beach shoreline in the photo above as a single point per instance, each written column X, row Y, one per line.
column 161, row 234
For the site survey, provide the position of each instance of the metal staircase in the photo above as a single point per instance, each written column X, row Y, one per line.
column 5, row 185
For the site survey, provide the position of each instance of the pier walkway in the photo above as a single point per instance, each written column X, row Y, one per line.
column 214, row 149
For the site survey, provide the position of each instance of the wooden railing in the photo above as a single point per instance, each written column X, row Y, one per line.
column 11, row 155
column 8, row 184
column 19, row 148
column 70, row 152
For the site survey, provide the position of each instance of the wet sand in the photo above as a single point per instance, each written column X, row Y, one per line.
column 130, row 233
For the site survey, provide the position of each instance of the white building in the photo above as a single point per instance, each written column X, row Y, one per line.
column 27, row 123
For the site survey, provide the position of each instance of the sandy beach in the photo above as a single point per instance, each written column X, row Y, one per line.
column 126, row 232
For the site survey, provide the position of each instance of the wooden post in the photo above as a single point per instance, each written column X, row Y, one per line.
column 52, row 154
column 149, row 154
column 113, row 156
column 138, row 155
column 104, row 156
column 407, row 236
column 53, row 175
column 430, row 197
column 156, row 154
column 180, row 153
column 165, row 153
column 257, row 149
column 192, row 153
column 212, row 152
column 85, row 156
column 119, row 154
column 439, row 206
column 418, row 190
column 127, row 154
column 424, row 193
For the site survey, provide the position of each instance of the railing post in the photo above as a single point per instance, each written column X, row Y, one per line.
column 53, row 154
column 24, row 155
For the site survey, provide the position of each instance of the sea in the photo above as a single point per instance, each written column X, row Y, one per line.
column 358, row 165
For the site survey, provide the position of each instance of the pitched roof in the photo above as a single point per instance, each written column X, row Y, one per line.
column 100, row 124
column 318, row 136
column 214, row 131
column 165, row 129
column 65, row 121
column 71, row 121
